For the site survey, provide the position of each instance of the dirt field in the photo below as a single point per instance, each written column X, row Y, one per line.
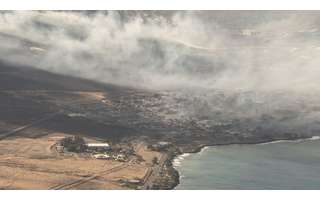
column 27, row 163
column 147, row 155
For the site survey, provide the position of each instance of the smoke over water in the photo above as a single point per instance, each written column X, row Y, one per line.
column 260, row 66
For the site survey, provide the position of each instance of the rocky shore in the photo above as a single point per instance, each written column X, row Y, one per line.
column 169, row 177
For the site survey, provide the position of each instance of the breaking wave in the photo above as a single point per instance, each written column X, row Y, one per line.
column 177, row 161
column 292, row 141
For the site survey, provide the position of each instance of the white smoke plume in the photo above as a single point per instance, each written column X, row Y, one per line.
column 273, row 51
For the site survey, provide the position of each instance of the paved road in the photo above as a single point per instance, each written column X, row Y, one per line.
column 84, row 180
column 14, row 131
column 154, row 172
column 75, row 183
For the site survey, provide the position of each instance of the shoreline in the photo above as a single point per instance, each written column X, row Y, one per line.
column 201, row 148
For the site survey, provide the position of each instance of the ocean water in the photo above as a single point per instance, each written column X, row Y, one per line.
column 276, row 165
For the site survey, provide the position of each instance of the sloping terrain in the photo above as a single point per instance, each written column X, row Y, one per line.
column 57, row 103
column 29, row 95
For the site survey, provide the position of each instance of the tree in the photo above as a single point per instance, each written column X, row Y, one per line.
column 155, row 161
column 74, row 144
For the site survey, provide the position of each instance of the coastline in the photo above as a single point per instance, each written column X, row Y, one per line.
column 200, row 148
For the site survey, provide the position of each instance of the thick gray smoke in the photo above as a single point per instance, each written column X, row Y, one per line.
column 212, row 50
column 247, row 71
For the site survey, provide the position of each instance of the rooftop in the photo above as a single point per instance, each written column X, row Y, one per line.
column 98, row 145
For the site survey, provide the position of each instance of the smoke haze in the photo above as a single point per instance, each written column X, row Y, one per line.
column 250, row 72
column 225, row 50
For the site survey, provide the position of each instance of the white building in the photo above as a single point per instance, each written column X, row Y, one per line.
column 98, row 146
column 102, row 156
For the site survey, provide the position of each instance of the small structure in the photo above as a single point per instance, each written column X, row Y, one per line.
column 102, row 156
column 59, row 148
column 99, row 147
column 159, row 146
column 163, row 144
column 119, row 157
column 134, row 181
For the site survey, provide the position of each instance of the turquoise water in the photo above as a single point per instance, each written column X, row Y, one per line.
column 280, row 165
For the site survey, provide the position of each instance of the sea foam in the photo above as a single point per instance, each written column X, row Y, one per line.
column 292, row 141
column 177, row 161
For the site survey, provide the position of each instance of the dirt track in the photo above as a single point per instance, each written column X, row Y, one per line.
column 32, row 164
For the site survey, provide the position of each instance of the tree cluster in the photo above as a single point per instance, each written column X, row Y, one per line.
column 74, row 144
